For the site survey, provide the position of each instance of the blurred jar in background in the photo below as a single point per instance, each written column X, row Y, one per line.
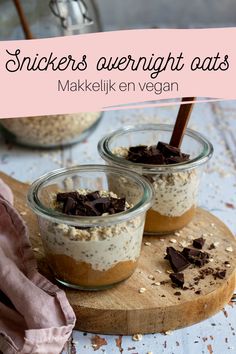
column 50, row 19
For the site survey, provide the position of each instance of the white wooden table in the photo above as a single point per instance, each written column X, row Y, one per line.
column 218, row 194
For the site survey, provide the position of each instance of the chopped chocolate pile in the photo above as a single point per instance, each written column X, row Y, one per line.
column 199, row 243
column 177, row 261
column 161, row 154
column 91, row 204
column 196, row 257
column 177, row 279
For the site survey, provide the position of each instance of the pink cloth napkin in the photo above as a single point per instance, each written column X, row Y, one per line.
column 35, row 316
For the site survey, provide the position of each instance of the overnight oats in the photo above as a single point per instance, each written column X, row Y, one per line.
column 174, row 173
column 92, row 236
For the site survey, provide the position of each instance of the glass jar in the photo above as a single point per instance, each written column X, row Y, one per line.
column 91, row 252
column 49, row 19
column 50, row 131
column 176, row 186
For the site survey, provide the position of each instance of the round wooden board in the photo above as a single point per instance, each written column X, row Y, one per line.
column 122, row 309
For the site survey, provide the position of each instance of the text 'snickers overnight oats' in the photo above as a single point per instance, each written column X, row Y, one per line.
column 174, row 175
column 91, row 236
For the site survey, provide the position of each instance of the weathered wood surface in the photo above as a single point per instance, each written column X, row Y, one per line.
column 218, row 195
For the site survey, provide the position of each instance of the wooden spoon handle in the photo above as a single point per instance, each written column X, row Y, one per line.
column 181, row 122
column 23, row 20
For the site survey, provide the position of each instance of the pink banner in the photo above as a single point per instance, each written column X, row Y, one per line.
column 99, row 71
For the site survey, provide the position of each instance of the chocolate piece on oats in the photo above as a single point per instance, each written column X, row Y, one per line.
column 162, row 154
column 177, row 261
column 177, row 279
column 199, row 242
column 61, row 197
column 93, row 195
column 168, row 150
column 118, row 204
column 91, row 204
column 69, row 206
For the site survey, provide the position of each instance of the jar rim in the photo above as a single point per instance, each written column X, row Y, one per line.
column 89, row 221
column 106, row 153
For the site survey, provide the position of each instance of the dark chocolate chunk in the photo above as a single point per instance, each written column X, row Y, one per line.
column 91, row 210
column 177, row 279
column 102, row 204
column 177, row 261
column 61, row 197
column 212, row 246
column 174, row 159
column 69, row 206
column 220, row 274
column 196, row 257
column 198, row 242
column 177, row 293
column 93, row 195
column 138, row 149
column 91, row 204
column 162, row 154
column 168, row 150
column 198, row 292
column 118, row 204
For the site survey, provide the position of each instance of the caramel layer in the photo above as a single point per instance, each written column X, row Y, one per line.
column 157, row 223
column 82, row 274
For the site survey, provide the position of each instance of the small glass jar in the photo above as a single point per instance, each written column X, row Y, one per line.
column 50, row 131
column 52, row 18
column 91, row 252
column 176, row 186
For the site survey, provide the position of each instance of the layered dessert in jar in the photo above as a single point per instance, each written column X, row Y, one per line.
column 174, row 174
column 92, row 237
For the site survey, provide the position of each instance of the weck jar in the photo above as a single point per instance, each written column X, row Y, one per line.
column 96, row 251
column 176, row 186
column 46, row 19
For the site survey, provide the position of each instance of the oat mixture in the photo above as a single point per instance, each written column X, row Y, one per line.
column 50, row 130
column 175, row 193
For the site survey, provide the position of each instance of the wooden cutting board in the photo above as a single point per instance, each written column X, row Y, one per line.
column 123, row 309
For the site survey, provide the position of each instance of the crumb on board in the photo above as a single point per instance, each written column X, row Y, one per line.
column 142, row 290
column 137, row 337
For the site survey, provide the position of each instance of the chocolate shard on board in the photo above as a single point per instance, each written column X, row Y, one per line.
column 177, row 260
column 220, row 274
column 196, row 257
column 199, row 242
column 177, row 279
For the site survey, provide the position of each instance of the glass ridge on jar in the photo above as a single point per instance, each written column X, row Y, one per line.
column 176, row 186
column 91, row 252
